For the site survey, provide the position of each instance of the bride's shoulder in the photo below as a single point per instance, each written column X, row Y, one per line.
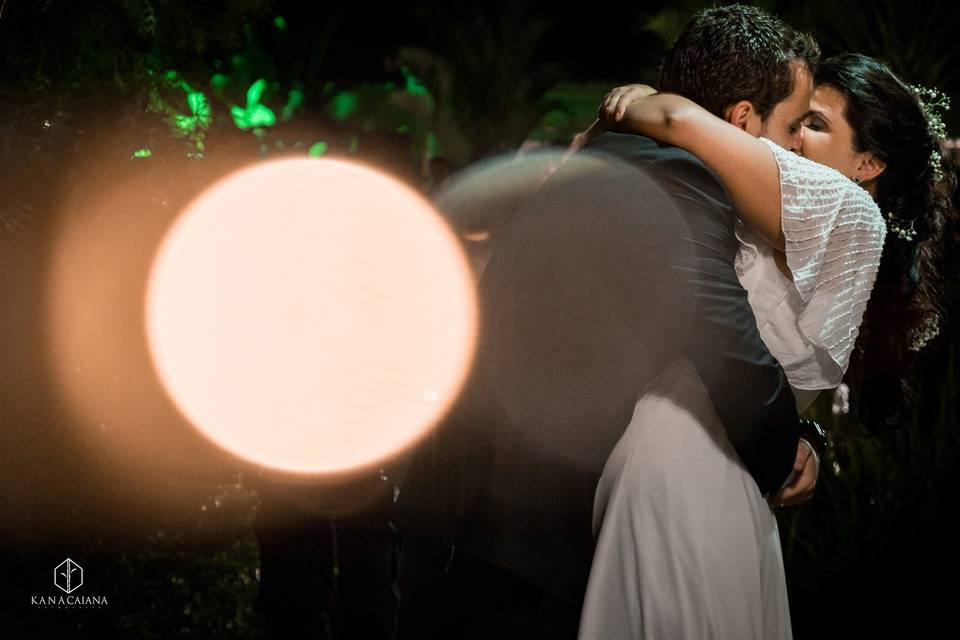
column 819, row 185
column 796, row 169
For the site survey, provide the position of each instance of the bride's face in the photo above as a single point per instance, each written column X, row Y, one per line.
column 827, row 136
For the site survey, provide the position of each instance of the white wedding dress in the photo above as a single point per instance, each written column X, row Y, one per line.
column 687, row 547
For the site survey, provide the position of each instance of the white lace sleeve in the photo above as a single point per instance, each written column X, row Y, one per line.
column 834, row 239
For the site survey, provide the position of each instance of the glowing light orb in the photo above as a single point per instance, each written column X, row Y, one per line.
column 313, row 316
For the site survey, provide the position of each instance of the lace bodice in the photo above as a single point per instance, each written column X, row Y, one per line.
column 834, row 239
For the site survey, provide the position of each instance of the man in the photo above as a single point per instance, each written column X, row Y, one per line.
column 497, row 521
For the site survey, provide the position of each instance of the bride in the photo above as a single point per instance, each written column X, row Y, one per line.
column 686, row 545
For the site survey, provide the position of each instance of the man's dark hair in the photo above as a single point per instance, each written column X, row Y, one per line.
column 733, row 53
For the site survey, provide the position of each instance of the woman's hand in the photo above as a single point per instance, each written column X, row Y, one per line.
column 615, row 103
column 611, row 111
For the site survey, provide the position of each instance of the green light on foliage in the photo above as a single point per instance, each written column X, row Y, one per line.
column 255, row 114
column 344, row 104
column 198, row 103
column 238, row 61
column 414, row 85
column 200, row 115
column 174, row 80
column 295, row 100
column 219, row 81
column 142, row 153
column 354, row 144
column 280, row 23
column 433, row 145
column 317, row 149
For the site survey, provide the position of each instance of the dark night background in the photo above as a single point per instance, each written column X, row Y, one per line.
column 421, row 89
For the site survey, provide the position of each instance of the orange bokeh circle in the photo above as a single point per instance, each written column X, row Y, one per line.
column 312, row 316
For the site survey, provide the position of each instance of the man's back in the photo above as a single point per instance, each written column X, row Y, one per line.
column 747, row 385
column 582, row 303
column 585, row 299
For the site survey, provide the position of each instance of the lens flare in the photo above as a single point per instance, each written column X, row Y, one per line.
column 312, row 316
column 584, row 294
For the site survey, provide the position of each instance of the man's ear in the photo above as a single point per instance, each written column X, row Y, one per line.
column 740, row 114
column 870, row 167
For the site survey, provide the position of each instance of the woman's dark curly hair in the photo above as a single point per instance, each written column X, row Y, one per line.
column 889, row 120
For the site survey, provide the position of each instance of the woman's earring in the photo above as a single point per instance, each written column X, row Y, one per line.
column 856, row 179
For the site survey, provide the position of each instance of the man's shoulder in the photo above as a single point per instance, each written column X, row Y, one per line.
column 649, row 153
column 660, row 161
column 638, row 148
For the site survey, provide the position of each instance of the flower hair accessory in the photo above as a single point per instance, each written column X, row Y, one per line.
column 899, row 227
column 920, row 336
column 934, row 104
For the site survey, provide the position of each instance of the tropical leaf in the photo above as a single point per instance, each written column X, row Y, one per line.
column 200, row 107
column 254, row 114
column 255, row 92
column 200, row 118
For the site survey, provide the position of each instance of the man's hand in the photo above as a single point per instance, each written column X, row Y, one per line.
column 800, row 486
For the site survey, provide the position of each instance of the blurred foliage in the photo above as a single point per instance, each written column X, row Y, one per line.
column 189, row 594
column 878, row 525
column 107, row 41
column 913, row 38
column 576, row 108
column 484, row 85
column 171, row 589
column 916, row 39
column 198, row 581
